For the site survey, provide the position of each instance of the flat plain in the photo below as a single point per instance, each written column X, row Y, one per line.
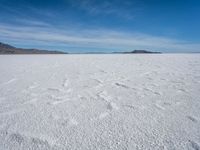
column 113, row 101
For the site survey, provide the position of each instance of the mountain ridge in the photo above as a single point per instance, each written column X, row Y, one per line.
column 138, row 52
column 8, row 49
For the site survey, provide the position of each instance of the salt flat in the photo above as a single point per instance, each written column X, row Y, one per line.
column 103, row 102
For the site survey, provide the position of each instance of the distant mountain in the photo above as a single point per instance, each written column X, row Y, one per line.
column 141, row 52
column 8, row 49
column 138, row 52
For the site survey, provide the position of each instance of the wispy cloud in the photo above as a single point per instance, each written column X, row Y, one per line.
column 117, row 8
column 99, row 38
column 33, row 22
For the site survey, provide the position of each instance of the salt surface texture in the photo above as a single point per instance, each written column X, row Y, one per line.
column 55, row 102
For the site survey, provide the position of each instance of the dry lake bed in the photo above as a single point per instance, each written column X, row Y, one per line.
column 107, row 102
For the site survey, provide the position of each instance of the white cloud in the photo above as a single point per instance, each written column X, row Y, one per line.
column 121, row 9
column 99, row 38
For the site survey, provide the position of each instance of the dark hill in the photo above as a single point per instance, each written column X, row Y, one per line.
column 8, row 49
column 141, row 52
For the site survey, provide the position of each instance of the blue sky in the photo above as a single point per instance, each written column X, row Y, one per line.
column 101, row 25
